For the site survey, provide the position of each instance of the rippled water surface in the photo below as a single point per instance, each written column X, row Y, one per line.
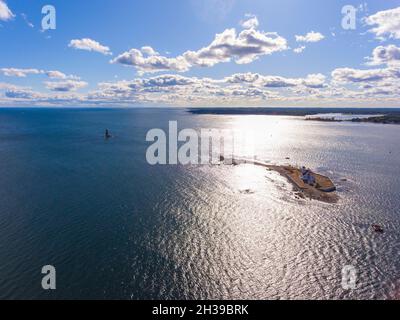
column 116, row 227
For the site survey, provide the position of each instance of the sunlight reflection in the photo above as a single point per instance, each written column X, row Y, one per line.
column 254, row 135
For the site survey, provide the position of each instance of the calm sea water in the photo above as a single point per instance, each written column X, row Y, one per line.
column 116, row 227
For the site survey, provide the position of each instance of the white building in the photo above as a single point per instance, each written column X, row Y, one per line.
column 306, row 176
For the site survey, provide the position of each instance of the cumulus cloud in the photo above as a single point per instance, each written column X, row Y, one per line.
column 18, row 93
column 379, row 85
column 315, row 80
column 251, row 93
column 243, row 78
column 167, row 81
column 89, row 45
column 54, row 74
column 65, row 86
column 386, row 23
column 26, row 96
column 268, row 81
column 21, row 94
column 7, row 86
column 250, row 23
column 310, row 37
column 278, row 82
column 389, row 55
column 20, row 73
column 149, row 51
column 349, row 75
column 243, row 47
column 237, row 89
column 148, row 60
column 5, row 12
column 176, row 89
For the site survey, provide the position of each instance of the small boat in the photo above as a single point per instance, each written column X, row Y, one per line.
column 107, row 134
column 377, row 228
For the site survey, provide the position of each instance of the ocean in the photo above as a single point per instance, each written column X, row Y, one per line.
column 115, row 227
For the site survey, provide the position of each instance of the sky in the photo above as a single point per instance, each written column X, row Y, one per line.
column 313, row 53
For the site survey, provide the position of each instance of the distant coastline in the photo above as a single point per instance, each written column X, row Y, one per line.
column 384, row 119
column 281, row 111
column 371, row 115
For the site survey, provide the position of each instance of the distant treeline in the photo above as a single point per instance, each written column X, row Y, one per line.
column 388, row 119
column 293, row 111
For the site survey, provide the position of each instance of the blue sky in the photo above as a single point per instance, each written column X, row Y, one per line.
column 287, row 52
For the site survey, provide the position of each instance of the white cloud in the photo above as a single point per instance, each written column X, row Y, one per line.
column 54, row 74
column 249, row 93
column 7, row 86
column 310, row 37
column 151, row 63
column 149, row 51
column 299, row 49
column 349, row 75
column 379, row 86
column 176, row 89
column 268, row 81
column 167, row 81
column 278, row 82
column 22, row 94
column 389, row 55
column 243, row 78
column 239, row 89
column 20, row 73
column 5, row 12
column 315, row 80
column 250, row 23
column 89, row 45
column 15, row 92
column 65, row 86
column 243, row 47
column 387, row 23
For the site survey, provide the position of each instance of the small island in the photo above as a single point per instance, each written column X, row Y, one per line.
column 308, row 183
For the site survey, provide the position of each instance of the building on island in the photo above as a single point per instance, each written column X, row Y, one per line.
column 307, row 176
